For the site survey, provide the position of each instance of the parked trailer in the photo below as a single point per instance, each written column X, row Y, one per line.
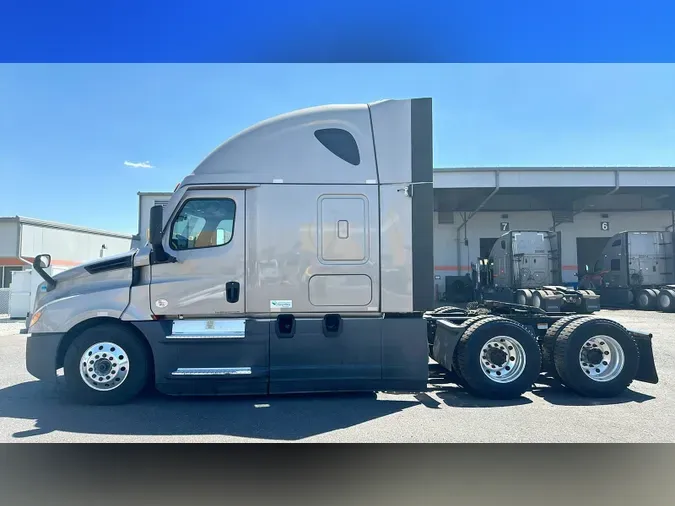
column 524, row 267
column 636, row 269
column 298, row 257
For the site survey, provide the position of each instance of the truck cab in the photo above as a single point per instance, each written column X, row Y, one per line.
column 270, row 270
column 635, row 267
column 524, row 267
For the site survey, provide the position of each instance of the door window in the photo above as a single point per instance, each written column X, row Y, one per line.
column 203, row 223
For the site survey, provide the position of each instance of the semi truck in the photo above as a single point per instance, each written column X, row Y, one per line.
column 635, row 269
column 524, row 267
column 338, row 199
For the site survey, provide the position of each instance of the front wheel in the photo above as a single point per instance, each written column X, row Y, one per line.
column 106, row 364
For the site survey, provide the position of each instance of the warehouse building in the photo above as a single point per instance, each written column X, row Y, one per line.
column 475, row 206
column 21, row 239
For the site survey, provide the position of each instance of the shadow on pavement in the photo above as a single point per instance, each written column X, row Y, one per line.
column 553, row 392
column 444, row 384
column 274, row 417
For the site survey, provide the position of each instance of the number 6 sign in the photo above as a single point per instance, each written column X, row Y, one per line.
column 604, row 226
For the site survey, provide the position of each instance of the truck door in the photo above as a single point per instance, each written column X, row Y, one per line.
column 205, row 288
column 206, row 236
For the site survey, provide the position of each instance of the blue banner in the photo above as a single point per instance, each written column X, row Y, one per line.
column 336, row 31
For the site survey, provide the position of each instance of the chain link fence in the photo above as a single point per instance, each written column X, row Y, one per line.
column 4, row 301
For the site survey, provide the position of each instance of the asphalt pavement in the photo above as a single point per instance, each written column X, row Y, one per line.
column 30, row 412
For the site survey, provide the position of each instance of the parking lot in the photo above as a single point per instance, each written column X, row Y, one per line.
column 29, row 412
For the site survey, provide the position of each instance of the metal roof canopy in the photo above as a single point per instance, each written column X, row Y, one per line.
column 571, row 189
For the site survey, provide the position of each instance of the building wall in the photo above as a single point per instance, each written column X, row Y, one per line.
column 9, row 238
column 69, row 246
column 488, row 225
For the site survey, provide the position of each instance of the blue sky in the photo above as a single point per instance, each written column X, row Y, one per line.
column 66, row 130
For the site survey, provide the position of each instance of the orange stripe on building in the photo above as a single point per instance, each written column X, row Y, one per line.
column 16, row 262
column 570, row 267
column 451, row 267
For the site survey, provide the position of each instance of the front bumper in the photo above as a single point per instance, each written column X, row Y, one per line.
column 41, row 354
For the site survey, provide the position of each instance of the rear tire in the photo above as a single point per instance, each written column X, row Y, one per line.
column 114, row 375
column 455, row 362
column 523, row 297
column 537, row 299
column 606, row 375
column 666, row 300
column 645, row 300
column 498, row 359
column 549, row 340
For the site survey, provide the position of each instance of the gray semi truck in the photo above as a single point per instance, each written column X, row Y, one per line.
column 524, row 267
column 298, row 257
column 635, row 269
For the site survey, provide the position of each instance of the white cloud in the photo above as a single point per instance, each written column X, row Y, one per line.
column 139, row 165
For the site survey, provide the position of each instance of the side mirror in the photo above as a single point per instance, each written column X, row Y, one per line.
column 44, row 260
column 40, row 263
column 155, row 230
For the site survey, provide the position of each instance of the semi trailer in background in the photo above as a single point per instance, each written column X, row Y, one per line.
column 524, row 267
column 298, row 257
column 636, row 269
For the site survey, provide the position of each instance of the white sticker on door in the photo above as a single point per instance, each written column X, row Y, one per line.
column 281, row 304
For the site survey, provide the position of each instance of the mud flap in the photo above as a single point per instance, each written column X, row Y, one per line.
column 551, row 302
column 446, row 339
column 590, row 301
column 646, row 368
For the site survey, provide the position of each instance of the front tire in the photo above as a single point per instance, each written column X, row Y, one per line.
column 498, row 359
column 596, row 357
column 106, row 364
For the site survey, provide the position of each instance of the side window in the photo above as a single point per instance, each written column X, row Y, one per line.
column 341, row 143
column 203, row 223
column 615, row 264
column 616, row 243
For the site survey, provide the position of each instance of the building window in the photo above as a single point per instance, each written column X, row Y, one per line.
column 203, row 223
column 6, row 275
column 341, row 143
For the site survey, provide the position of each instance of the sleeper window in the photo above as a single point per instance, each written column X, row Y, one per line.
column 203, row 223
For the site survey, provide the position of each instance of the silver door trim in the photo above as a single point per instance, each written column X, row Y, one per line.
column 212, row 371
column 224, row 328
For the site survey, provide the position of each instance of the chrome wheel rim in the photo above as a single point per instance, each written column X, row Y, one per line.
column 602, row 358
column 503, row 359
column 104, row 366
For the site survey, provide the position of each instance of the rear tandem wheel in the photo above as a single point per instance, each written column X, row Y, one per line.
column 498, row 358
column 596, row 357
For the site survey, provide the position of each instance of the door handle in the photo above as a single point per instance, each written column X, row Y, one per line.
column 232, row 291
